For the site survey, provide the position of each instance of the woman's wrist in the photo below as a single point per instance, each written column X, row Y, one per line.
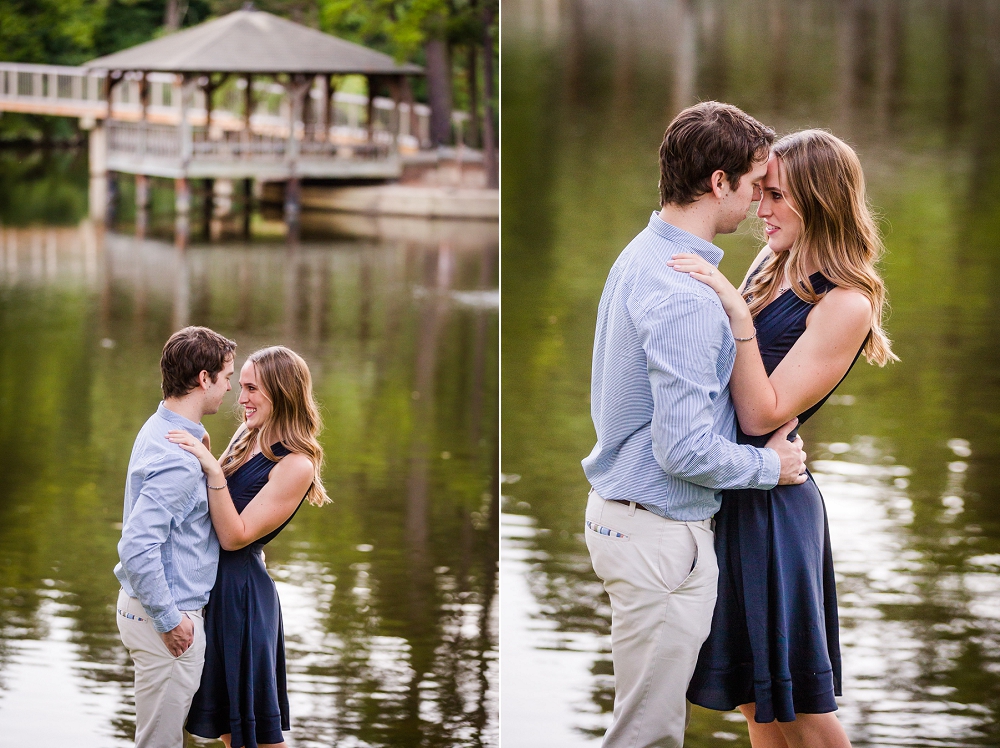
column 742, row 327
column 216, row 477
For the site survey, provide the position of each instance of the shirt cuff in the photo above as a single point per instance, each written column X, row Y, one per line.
column 770, row 469
column 168, row 621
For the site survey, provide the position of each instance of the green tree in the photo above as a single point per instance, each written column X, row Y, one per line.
column 431, row 32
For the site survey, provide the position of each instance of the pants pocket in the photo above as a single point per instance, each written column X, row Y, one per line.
column 678, row 556
column 608, row 532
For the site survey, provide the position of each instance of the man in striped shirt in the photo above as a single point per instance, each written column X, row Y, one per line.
column 168, row 551
column 666, row 427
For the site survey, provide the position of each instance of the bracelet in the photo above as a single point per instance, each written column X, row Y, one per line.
column 218, row 488
column 739, row 340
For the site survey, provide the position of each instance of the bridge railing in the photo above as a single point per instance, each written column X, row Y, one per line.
column 76, row 92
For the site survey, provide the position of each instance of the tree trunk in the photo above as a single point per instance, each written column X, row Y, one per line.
column 474, row 126
column 173, row 14
column 439, row 90
column 490, row 157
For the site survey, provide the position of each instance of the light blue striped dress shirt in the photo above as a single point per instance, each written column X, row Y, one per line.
column 663, row 355
column 169, row 552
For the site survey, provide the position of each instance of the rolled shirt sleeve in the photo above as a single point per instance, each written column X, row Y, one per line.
column 684, row 387
column 163, row 502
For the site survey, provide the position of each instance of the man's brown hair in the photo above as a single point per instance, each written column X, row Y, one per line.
column 703, row 139
column 189, row 352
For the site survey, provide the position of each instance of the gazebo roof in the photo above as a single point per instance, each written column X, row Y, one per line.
column 253, row 41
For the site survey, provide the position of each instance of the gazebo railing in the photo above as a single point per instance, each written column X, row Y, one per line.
column 146, row 140
column 237, row 146
column 138, row 139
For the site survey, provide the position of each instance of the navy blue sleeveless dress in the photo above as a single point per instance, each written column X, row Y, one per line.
column 775, row 635
column 242, row 689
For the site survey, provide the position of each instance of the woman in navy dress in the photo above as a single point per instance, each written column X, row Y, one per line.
column 269, row 468
column 810, row 305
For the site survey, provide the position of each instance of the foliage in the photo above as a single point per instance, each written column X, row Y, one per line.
column 401, row 28
column 69, row 32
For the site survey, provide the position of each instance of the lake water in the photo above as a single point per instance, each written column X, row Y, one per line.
column 906, row 456
column 389, row 594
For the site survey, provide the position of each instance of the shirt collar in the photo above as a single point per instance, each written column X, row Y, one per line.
column 668, row 231
column 195, row 429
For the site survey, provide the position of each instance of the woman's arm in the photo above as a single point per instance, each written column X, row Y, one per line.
column 835, row 330
column 286, row 486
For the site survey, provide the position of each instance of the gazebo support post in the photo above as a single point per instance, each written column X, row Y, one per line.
column 371, row 107
column 414, row 121
column 309, row 112
column 209, row 90
column 182, row 196
column 182, row 202
column 208, row 208
column 327, row 106
column 248, row 102
column 141, row 192
column 182, row 190
column 297, row 87
column 98, row 158
column 141, row 205
column 144, row 96
column 141, row 180
column 113, row 78
column 395, row 84
column 247, row 205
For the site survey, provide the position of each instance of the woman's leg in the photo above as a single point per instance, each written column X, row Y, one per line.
column 807, row 731
column 227, row 738
column 763, row 735
column 815, row 731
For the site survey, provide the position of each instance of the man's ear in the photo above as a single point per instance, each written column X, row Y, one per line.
column 204, row 379
column 719, row 183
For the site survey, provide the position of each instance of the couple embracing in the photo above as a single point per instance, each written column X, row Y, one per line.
column 704, row 524
column 203, row 624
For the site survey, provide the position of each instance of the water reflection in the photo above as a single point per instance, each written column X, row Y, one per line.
column 389, row 593
column 905, row 456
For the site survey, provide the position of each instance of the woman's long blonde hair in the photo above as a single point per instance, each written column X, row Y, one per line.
column 284, row 379
column 825, row 186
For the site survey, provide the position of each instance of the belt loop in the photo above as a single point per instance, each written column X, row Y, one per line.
column 631, row 509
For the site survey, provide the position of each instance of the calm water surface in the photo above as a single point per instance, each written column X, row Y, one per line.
column 389, row 594
column 906, row 456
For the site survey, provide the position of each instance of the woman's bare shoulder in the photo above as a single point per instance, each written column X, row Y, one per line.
column 847, row 300
column 294, row 466
column 846, row 307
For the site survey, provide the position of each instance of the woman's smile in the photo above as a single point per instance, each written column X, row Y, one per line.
column 256, row 406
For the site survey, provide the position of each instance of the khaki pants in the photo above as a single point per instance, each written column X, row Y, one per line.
column 164, row 684
column 662, row 578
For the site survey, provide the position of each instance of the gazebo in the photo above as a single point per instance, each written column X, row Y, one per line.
column 247, row 43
